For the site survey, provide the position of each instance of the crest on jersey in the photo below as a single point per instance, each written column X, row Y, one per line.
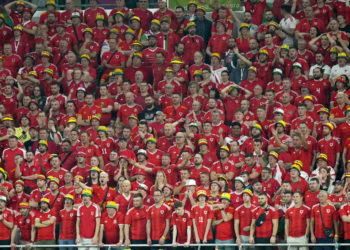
column 301, row 211
column 161, row 211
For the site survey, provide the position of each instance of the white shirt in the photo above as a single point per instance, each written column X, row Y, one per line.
column 288, row 23
column 338, row 71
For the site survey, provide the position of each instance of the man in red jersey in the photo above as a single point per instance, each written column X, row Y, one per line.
column 264, row 224
column 44, row 224
column 202, row 216
column 56, row 170
column 223, row 220
column 8, row 156
column 243, row 217
column 192, row 42
column 344, row 213
column 68, row 218
column 297, row 222
column 311, row 195
column 88, row 149
column 158, row 221
column 128, row 109
column 19, row 196
column 218, row 42
column 6, row 222
column 26, row 171
column 38, row 193
column 111, row 228
column 11, row 61
column 23, row 222
column 324, row 215
column 182, row 224
column 135, row 223
column 177, row 111
column 88, row 222
column 179, row 147
column 330, row 146
column 67, row 155
column 55, row 200
column 223, row 166
column 87, row 111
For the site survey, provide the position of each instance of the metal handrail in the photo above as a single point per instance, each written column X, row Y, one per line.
column 196, row 245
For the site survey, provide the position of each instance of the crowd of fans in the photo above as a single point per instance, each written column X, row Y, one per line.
column 142, row 127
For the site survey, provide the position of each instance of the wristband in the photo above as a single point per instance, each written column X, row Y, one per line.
column 163, row 238
column 336, row 235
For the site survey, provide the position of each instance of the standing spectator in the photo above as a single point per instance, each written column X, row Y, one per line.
column 6, row 222
column 202, row 216
column 135, row 223
column 68, row 218
column 224, row 221
column 88, row 222
column 243, row 217
column 112, row 225
column 324, row 224
column 182, row 225
column 264, row 223
column 44, row 224
column 158, row 221
column 297, row 222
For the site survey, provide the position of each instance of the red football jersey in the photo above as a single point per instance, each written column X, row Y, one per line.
column 45, row 233
column 111, row 227
column 245, row 216
column 297, row 220
column 7, row 215
column 329, row 213
column 201, row 217
column 181, row 223
column 68, row 220
column 158, row 217
column 88, row 216
column 265, row 230
column 137, row 219
column 224, row 231
column 345, row 211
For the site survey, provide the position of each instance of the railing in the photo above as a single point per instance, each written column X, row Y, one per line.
column 240, row 247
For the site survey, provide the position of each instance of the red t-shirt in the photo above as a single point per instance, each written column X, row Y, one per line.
column 88, row 216
column 45, row 233
column 265, row 230
column 68, row 220
column 111, row 227
column 297, row 220
column 181, row 223
column 158, row 217
column 329, row 213
column 310, row 198
column 5, row 231
column 201, row 217
column 218, row 43
column 25, row 225
column 224, row 231
column 345, row 211
column 124, row 203
column 125, row 111
column 245, row 216
column 137, row 219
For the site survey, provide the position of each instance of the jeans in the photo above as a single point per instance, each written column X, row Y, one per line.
column 157, row 242
column 231, row 241
column 263, row 241
column 323, row 240
column 5, row 242
column 66, row 242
